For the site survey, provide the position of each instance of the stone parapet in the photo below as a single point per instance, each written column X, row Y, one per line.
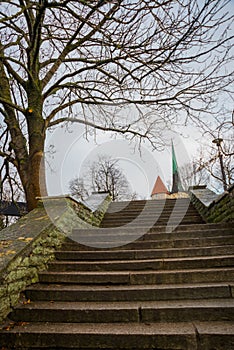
column 211, row 206
column 29, row 245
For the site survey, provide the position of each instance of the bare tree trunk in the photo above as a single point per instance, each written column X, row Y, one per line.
column 35, row 185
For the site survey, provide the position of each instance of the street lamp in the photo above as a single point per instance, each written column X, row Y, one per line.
column 218, row 144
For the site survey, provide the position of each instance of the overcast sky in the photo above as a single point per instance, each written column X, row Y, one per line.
column 72, row 152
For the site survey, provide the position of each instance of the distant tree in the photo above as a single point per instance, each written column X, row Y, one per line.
column 190, row 176
column 102, row 175
column 210, row 153
column 78, row 189
column 205, row 169
column 10, row 185
column 10, row 190
column 211, row 164
column 88, row 62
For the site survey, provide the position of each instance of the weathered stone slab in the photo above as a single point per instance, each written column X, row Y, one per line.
column 29, row 245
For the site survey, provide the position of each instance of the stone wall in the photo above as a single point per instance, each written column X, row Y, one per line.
column 213, row 207
column 27, row 246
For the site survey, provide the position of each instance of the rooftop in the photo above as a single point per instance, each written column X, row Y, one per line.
column 159, row 187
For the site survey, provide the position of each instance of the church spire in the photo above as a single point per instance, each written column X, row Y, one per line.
column 176, row 182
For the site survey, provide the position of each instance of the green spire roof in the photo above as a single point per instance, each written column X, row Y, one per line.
column 174, row 162
column 176, row 183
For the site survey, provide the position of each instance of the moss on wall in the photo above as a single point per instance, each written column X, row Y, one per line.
column 29, row 245
column 220, row 209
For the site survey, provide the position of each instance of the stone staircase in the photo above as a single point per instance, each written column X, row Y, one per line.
column 172, row 288
column 157, row 212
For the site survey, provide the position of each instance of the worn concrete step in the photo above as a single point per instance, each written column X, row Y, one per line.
column 149, row 203
column 149, row 206
column 146, row 264
column 163, row 215
column 152, row 212
column 142, row 223
column 149, row 212
column 140, row 277
column 187, row 218
column 199, row 226
column 131, row 214
column 169, row 229
column 123, row 254
column 84, row 312
column 144, row 311
column 181, row 335
column 151, row 209
column 158, row 221
column 147, row 244
column 118, row 236
column 102, row 234
column 74, row 292
column 157, row 218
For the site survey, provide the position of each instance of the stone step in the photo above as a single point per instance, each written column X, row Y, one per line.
column 151, row 221
column 151, row 209
column 144, row 311
column 198, row 226
column 152, row 212
column 150, row 204
column 150, row 264
column 158, row 335
column 101, row 234
column 203, row 275
column 73, row 292
column 123, row 254
column 162, row 229
column 149, row 214
column 147, row 244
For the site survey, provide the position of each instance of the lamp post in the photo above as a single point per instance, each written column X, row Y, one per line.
column 218, row 144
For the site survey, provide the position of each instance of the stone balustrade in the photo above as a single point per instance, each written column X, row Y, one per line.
column 211, row 206
column 27, row 246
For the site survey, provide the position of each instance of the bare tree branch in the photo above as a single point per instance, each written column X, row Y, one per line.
column 138, row 68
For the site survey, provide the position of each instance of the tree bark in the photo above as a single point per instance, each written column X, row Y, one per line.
column 36, row 178
column 27, row 157
column 35, row 185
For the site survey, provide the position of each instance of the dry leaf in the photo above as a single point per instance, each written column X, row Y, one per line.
column 28, row 239
column 8, row 252
column 41, row 218
column 21, row 323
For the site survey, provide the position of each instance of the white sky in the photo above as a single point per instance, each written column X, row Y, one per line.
column 73, row 151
